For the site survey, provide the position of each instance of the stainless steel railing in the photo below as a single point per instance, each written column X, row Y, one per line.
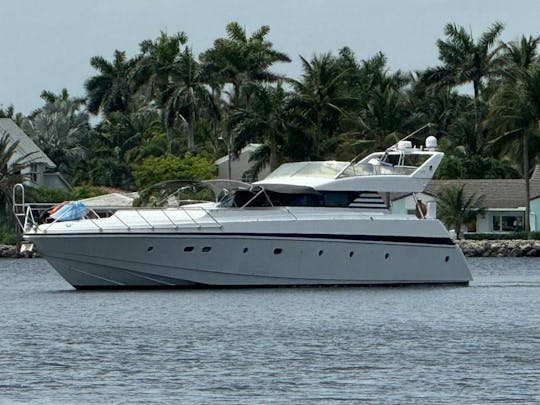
column 152, row 222
column 28, row 216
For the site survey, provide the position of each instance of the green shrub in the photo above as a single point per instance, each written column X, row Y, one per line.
column 86, row 191
column 53, row 195
column 8, row 235
column 158, row 169
column 46, row 194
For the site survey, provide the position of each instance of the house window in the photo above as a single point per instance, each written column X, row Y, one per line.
column 507, row 223
column 496, row 223
column 32, row 173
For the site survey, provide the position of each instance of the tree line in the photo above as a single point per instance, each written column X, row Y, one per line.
column 166, row 104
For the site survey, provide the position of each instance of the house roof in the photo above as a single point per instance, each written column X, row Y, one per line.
column 496, row 193
column 250, row 147
column 26, row 146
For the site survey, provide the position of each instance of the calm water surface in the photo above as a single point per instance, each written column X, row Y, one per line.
column 272, row 346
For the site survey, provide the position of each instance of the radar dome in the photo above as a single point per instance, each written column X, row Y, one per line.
column 431, row 142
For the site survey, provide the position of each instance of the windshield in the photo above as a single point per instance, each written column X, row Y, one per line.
column 369, row 169
column 328, row 169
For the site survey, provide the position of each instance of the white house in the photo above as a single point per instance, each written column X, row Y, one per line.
column 240, row 165
column 36, row 165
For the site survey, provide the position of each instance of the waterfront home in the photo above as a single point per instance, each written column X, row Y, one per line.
column 503, row 199
column 36, row 166
column 240, row 165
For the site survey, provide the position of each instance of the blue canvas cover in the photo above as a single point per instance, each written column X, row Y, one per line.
column 70, row 212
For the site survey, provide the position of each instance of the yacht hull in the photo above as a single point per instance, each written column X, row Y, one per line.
column 194, row 260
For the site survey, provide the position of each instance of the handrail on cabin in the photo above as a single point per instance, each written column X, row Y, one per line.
column 30, row 220
column 22, row 209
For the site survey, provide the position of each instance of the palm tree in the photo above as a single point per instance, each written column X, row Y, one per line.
column 9, row 112
column 154, row 67
column 233, row 68
column 238, row 60
column 265, row 120
column 440, row 106
column 515, row 108
column 386, row 111
column 186, row 94
column 170, row 76
column 320, row 98
column 10, row 166
column 456, row 207
column 465, row 60
column 515, row 111
column 110, row 90
column 59, row 128
column 520, row 54
column 120, row 141
column 51, row 98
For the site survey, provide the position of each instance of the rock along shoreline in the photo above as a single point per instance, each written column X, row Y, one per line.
column 12, row 252
column 500, row 248
column 470, row 248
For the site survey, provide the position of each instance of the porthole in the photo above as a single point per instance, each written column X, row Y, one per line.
column 351, row 254
column 447, row 258
column 277, row 251
column 245, row 250
column 321, row 252
column 206, row 249
column 387, row 255
column 188, row 249
column 150, row 248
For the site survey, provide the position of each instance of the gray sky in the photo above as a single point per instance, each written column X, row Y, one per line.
column 48, row 44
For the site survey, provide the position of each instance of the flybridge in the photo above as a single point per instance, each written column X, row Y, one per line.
column 402, row 160
column 400, row 168
column 377, row 172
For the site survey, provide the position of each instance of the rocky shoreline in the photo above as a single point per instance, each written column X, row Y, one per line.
column 12, row 252
column 500, row 248
column 470, row 248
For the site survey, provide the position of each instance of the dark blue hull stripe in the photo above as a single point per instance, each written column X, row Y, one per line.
column 368, row 238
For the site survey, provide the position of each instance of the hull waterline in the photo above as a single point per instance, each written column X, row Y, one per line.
column 202, row 261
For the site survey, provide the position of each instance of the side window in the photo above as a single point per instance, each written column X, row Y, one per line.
column 226, row 200
column 337, row 199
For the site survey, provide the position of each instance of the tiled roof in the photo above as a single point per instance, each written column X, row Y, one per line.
column 26, row 146
column 496, row 193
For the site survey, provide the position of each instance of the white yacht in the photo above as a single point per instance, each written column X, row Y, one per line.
column 308, row 223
